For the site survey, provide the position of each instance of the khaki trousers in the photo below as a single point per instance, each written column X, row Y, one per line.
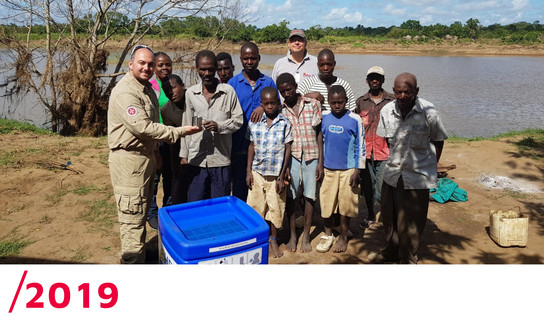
column 132, row 177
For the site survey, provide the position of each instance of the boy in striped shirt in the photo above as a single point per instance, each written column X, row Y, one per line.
column 317, row 87
column 344, row 154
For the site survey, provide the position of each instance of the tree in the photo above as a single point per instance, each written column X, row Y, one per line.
column 412, row 25
column 273, row 33
column 473, row 28
column 72, row 82
column 315, row 33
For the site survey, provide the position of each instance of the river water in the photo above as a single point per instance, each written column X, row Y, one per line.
column 476, row 96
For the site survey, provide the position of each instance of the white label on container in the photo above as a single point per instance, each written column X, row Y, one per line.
column 233, row 245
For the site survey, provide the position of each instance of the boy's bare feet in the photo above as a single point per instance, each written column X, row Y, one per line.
column 305, row 245
column 292, row 244
column 341, row 244
column 276, row 252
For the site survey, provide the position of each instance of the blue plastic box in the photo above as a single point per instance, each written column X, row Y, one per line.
column 217, row 231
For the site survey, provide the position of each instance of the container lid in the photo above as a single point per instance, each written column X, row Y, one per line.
column 214, row 227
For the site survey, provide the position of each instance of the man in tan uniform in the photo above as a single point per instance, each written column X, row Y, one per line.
column 133, row 133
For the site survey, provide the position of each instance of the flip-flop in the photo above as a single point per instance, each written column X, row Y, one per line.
column 325, row 244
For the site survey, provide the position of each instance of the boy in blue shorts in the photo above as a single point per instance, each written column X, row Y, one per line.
column 304, row 114
column 344, row 154
column 268, row 158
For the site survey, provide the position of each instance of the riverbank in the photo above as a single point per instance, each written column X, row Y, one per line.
column 385, row 47
column 53, row 213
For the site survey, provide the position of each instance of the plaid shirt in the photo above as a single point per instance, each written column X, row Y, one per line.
column 269, row 144
column 304, row 134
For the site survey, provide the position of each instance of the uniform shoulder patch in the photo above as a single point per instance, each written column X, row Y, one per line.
column 132, row 111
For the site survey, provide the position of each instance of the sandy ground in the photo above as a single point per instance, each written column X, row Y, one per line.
column 67, row 215
column 389, row 47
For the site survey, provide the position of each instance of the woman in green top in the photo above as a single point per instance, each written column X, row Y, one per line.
column 163, row 67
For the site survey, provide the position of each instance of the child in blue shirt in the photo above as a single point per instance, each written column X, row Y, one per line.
column 268, row 158
column 344, row 154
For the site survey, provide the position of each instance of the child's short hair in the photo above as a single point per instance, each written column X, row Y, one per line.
column 337, row 89
column 269, row 91
column 224, row 56
column 175, row 77
column 285, row 78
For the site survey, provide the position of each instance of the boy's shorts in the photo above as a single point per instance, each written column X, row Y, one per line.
column 265, row 200
column 305, row 171
column 336, row 194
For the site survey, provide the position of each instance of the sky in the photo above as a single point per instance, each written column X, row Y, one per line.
column 372, row 13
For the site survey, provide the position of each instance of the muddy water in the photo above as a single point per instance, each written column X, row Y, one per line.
column 476, row 96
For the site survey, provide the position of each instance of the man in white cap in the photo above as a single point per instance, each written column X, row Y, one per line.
column 368, row 107
column 297, row 62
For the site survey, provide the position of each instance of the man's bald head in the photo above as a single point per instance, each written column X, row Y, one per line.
column 407, row 78
column 405, row 90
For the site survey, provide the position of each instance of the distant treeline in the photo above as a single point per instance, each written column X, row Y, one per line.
column 235, row 31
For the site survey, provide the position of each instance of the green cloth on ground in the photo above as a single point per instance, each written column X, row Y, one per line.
column 448, row 190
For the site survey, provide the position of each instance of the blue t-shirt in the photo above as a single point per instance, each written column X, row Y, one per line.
column 344, row 141
column 250, row 99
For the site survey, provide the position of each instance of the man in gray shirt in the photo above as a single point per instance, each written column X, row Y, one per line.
column 208, row 152
column 415, row 136
column 297, row 62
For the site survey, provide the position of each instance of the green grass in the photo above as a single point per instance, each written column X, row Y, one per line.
column 13, row 126
column 8, row 158
column 79, row 256
column 103, row 159
column 84, row 189
column 12, row 245
column 55, row 198
column 102, row 213
column 537, row 134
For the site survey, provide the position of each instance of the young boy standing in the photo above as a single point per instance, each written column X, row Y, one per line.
column 317, row 87
column 344, row 154
column 172, row 115
column 304, row 114
column 267, row 161
column 248, row 85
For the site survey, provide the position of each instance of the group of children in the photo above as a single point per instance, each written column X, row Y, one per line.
column 332, row 147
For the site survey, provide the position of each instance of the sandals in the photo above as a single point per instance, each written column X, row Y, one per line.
column 325, row 243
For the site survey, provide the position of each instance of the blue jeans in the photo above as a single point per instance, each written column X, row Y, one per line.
column 371, row 185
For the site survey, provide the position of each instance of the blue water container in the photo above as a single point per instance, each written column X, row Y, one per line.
column 217, row 231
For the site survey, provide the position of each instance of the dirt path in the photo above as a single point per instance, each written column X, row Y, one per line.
column 67, row 215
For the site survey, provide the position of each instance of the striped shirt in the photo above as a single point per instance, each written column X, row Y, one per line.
column 343, row 141
column 314, row 84
column 269, row 144
column 303, row 128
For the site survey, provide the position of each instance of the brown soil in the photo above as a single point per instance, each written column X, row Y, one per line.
column 389, row 47
column 68, row 215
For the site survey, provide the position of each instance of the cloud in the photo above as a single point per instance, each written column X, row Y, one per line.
column 341, row 14
column 254, row 6
column 426, row 19
column 478, row 5
column 391, row 10
column 288, row 5
column 336, row 13
column 519, row 4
